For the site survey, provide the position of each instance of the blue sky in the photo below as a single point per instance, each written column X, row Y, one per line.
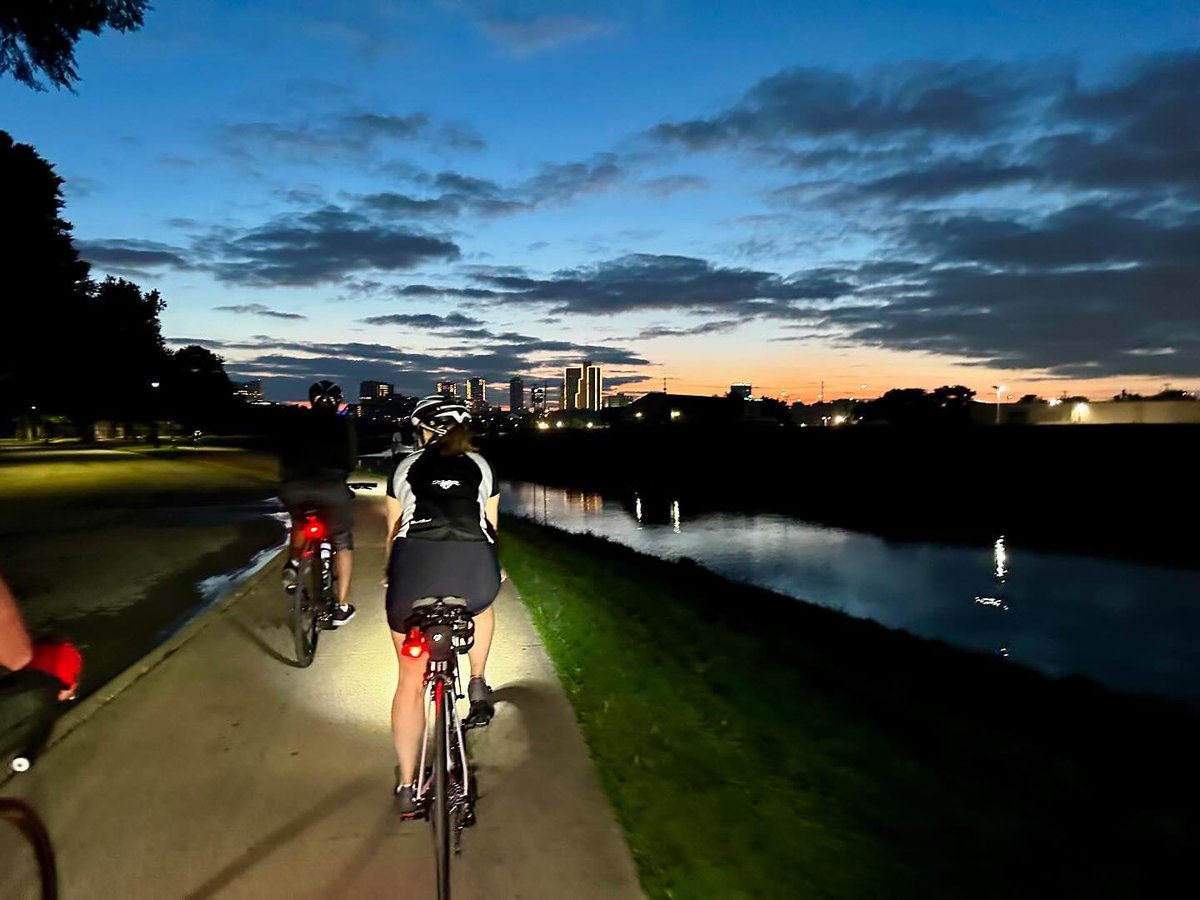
column 880, row 194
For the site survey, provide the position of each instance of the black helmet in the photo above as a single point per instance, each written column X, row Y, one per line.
column 440, row 413
column 325, row 393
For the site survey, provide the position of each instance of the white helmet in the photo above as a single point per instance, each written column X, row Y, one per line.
column 439, row 413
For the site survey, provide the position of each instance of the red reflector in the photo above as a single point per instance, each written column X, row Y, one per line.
column 414, row 644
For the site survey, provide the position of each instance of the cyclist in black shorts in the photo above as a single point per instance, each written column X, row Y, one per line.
column 314, row 461
column 442, row 508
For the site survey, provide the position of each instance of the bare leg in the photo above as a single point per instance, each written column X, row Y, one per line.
column 344, row 564
column 408, row 712
column 485, row 624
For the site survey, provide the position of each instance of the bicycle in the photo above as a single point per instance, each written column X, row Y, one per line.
column 442, row 627
column 30, row 825
column 315, row 593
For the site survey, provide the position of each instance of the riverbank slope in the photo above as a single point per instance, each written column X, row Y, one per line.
column 754, row 746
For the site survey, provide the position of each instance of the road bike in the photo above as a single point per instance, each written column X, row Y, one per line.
column 315, row 592
column 443, row 628
column 34, row 698
column 26, row 821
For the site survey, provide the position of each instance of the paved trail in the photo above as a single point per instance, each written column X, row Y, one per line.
column 218, row 770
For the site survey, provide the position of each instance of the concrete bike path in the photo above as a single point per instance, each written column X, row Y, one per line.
column 218, row 770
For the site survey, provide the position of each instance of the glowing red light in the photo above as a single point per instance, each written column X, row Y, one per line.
column 414, row 644
column 314, row 529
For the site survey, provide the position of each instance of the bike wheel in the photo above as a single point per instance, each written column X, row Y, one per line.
column 27, row 821
column 440, row 811
column 305, row 607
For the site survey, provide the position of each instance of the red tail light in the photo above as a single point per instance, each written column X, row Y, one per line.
column 315, row 529
column 414, row 644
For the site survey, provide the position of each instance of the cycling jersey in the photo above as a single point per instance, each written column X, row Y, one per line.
column 443, row 498
column 317, row 446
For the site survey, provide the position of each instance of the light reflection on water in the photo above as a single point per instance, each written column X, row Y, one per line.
column 1131, row 626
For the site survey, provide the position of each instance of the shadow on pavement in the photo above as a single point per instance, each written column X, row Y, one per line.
column 286, row 832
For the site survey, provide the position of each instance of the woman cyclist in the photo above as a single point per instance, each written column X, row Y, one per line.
column 442, row 508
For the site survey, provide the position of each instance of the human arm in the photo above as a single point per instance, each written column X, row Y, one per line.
column 16, row 650
column 393, row 511
column 492, row 512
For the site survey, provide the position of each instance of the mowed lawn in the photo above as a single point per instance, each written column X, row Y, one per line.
column 755, row 746
column 34, row 482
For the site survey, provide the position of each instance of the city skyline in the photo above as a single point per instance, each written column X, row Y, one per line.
column 889, row 195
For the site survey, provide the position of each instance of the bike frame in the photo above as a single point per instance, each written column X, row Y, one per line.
column 442, row 690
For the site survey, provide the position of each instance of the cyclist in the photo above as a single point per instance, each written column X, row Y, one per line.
column 314, row 462
column 34, row 677
column 442, row 509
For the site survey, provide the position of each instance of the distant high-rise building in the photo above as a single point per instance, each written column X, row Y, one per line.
column 476, row 392
column 375, row 390
column 617, row 400
column 447, row 388
column 537, row 399
column 516, row 394
column 249, row 390
column 592, row 388
column 741, row 391
column 572, row 379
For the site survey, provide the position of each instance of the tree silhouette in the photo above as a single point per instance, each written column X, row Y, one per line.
column 196, row 389
column 45, row 284
column 946, row 405
column 126, row 351
column 39, row 36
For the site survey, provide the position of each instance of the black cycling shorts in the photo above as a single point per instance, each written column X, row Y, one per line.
column 419, row 568
column 333, row 501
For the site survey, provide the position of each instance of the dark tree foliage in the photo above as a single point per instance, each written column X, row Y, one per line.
column 196, row 390
column 125, row 355
column 947, row 405
column 39, row 36
column 45, row 283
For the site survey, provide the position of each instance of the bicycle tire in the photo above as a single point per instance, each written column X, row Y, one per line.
column 305, row 605
column 28, row 823
column 440, row 812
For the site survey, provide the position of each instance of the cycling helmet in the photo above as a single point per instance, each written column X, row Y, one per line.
column 325, row 392
column 440, row 413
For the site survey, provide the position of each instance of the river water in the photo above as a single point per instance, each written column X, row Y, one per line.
column 1133, row 627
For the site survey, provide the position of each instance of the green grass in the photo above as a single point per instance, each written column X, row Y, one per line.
column 753, row 746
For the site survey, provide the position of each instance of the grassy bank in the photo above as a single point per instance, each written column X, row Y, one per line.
column 753, row 746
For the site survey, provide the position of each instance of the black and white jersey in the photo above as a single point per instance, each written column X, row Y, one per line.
column 444, row 498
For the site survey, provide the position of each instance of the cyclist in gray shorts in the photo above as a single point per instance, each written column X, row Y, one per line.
column 314, row 461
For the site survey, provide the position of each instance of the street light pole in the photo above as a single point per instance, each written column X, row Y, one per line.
column 997, row 388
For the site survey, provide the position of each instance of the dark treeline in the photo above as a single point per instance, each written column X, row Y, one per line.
column 1110, row 490
column 74, row 350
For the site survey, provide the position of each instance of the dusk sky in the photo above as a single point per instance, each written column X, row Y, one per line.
column 888, row 194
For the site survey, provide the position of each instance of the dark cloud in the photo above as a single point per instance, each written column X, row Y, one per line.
column 660, row 331
column 258, row 309
column 948, row 177
column 318, row 247
column 348, row 136
column 132, row 256
column 563, row 182
column 1084, row 292
column 424, row 320
column 644, row 281
column 959, row 99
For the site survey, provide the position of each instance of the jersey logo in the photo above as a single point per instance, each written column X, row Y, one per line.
column 446, row 483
